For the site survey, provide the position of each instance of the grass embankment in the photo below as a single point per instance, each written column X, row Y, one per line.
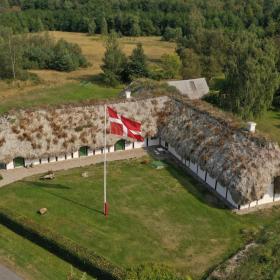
column 31, row 261
column 155, row 215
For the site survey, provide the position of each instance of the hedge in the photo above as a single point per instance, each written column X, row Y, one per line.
column 67, row 249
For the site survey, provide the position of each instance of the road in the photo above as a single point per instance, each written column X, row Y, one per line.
column 6, row 274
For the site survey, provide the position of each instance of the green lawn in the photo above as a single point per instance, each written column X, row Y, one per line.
column 31, row 261
column 155, row 215
column 64, row 94
column 270, row 124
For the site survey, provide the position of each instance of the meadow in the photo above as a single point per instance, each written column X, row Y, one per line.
column 160, row 216
column 55, row 87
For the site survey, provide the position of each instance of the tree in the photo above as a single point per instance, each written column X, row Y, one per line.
column 191, row 67
column 171, row 65
column 251, row 76
column 10, row 53
column 114, row 61
column 91, row 27
column 104, row 27
column 172, row 34
column 137, row 66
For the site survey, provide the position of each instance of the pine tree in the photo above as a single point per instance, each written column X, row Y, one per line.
column 104, row 27
column 191, row 67
column 137, row 66
column 91, row 27
column 114, row 61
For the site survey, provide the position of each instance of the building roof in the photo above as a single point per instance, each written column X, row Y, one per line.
column 193, row 89
column 244, row 162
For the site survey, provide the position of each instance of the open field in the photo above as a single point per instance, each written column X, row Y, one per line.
column 31, row 261
column 155, row 215
column 61, row 87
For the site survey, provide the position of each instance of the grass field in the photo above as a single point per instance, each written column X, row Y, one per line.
column 31, row 261
column 60, row 87
column 155, row 215
column 270, row 124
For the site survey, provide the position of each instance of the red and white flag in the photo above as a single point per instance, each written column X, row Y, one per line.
column 123, row 126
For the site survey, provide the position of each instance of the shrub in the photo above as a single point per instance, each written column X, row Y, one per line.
column 1, row 177
column 66, row 248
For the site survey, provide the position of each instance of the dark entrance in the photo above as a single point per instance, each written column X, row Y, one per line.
column 19, row 162
column 83, row 152
column 120, row 145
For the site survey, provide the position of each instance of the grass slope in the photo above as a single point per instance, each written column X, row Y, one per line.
column 155, row 215
column 31, row 261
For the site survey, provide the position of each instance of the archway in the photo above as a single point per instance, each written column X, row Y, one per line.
column 19, row 162
column 120, row 145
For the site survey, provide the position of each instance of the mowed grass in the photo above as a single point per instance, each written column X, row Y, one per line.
column 31, row 261
column 158, row 216
column 68, row 93
column 269, row 123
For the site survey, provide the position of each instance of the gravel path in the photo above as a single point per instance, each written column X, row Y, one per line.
column 10, row 176
column 6, row 274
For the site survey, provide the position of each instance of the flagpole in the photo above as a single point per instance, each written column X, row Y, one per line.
column 105, row 162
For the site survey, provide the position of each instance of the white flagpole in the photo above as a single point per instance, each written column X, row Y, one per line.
column 105, row 162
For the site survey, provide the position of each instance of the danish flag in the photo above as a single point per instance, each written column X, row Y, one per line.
column 122, row 126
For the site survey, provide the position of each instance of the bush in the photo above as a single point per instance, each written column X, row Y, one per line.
column 1, row 177
column 62, row 246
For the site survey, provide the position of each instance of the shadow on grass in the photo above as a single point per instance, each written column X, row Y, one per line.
column 45, row 187
column 189, row 181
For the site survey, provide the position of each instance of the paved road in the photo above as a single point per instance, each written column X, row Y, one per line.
column 6, row 274
column 10, row 176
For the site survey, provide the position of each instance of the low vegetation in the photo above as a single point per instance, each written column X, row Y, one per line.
column 148, row 222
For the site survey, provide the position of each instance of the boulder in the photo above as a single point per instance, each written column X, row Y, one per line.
column 85, row 174
column 42, row 211
column 49, row 176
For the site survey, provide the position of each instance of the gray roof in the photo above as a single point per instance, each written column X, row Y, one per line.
column 193, row 89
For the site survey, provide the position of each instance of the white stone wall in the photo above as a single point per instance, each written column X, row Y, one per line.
column 68, row 156
column 211, row 181
column 76, row 154
column 201, row 174
column 140, row 144
column 10, row 165
column 221, row 190
column 61, row 158
column 98, row 152
column 44, row 160
column 153, row 142
column 90, row 152
column 230, row 200
column 128, row 146
column 52, row 159
column 173, row 152
column 268, row 197
column 193, row 167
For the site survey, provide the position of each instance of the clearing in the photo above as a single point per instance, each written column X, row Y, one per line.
column 159, row 216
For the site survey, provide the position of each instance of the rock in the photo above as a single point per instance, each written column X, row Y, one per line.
column 85, row 174
column 42, row 211
column 49, row 176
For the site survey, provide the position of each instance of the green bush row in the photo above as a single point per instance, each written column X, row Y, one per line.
column 65, row 248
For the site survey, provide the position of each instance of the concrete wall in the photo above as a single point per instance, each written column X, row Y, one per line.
column 173, row 152
column 211, row 181
column 268, row 197
column 61, row 158
column 90, row 152
column 52, row 159
column 44, row 160
column 221, row 190
column 140, row 144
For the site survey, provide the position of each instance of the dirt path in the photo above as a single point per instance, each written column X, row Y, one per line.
column 7, row 274
column 10, row 176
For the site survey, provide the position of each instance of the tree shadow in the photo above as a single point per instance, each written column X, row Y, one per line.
column 189, row 181
column 96, row 79
column 45, row 187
